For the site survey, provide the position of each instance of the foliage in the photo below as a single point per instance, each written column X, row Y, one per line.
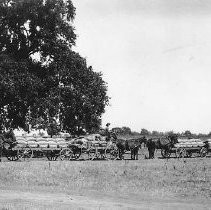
column 188, row 134
column 122, row 131
column 40, row 73
column 144, row 132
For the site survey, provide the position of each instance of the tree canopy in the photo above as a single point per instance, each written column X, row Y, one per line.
column 40, row 74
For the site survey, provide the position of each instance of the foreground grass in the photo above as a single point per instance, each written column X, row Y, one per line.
column 154, row 178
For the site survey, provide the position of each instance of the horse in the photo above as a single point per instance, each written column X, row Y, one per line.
column 131, row 145
column 9, row 138
column 165, row 143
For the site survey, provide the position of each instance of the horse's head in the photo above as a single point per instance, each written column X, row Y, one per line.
column 173, row 138
column 142, row 140
column 113, row 136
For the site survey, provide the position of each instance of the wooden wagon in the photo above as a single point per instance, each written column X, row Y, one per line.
column 89, row 149
column 185, row 148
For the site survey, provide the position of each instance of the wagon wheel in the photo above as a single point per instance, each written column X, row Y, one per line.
column 166, row 153
column 112, row 153
column 177, row 152
column 25, row 153
column 181, row 153
column 66, row 154
column 107, row 154
column 92, row 154
column 203, row 152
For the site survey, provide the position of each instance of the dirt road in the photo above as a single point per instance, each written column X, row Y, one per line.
column 11, row 199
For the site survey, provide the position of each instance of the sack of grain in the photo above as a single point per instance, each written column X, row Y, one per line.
column 21, row 140
column 62, row 144
column 65, row 135
column 52, row 144
column 32, row 143
column 59, row 139
column 41, row 139
column 31, row 139
column 43, row 144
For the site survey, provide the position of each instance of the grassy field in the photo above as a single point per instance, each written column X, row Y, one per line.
column 146, row 179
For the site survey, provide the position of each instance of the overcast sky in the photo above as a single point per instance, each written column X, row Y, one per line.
column 155, row 56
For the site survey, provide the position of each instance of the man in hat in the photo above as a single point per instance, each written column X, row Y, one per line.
column 107, row 132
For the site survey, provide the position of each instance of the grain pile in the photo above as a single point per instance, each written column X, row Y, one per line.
column 189, row 143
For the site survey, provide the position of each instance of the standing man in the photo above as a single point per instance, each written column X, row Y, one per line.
column 107, row 132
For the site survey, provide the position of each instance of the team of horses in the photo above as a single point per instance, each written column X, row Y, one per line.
column 152, row 144
column 131, row 145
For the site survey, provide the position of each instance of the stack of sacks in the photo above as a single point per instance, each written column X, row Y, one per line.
column 189, row 143
column 93, row 137
column 21, row 142
column 32, row 142
column 79, row 141
column 64, row 135
column 28, row 135
column 19, row 132
column 42, row 142
column 43, row 133
column 90, row 137
column 61, row 142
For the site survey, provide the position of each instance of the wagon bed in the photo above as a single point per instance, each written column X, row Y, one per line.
column 185, row 148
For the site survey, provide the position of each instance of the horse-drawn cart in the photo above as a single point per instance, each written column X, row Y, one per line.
column 36, row 147
column 185, row 148
column 90, row 148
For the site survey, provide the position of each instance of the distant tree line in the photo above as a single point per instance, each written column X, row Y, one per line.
column 145, row 132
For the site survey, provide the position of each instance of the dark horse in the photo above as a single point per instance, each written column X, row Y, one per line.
column 9, row 138
column 131, row 145
column 164, row 143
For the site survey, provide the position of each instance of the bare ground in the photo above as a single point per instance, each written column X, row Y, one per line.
column 14, row 199
column 144, row 184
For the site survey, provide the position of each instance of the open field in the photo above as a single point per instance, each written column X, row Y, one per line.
column 142, row 184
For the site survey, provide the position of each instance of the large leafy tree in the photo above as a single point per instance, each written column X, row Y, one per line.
column 39, row 71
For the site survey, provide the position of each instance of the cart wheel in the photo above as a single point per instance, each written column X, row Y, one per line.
column 177, row 152
column 66, row 154
column 112, row 153
column 166, row 153
column 92, row 154
column 203, row 152
column 107, row 154
column 25, row 153
column 181, row 153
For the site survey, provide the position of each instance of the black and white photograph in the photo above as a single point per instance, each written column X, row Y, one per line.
column 105, row 104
